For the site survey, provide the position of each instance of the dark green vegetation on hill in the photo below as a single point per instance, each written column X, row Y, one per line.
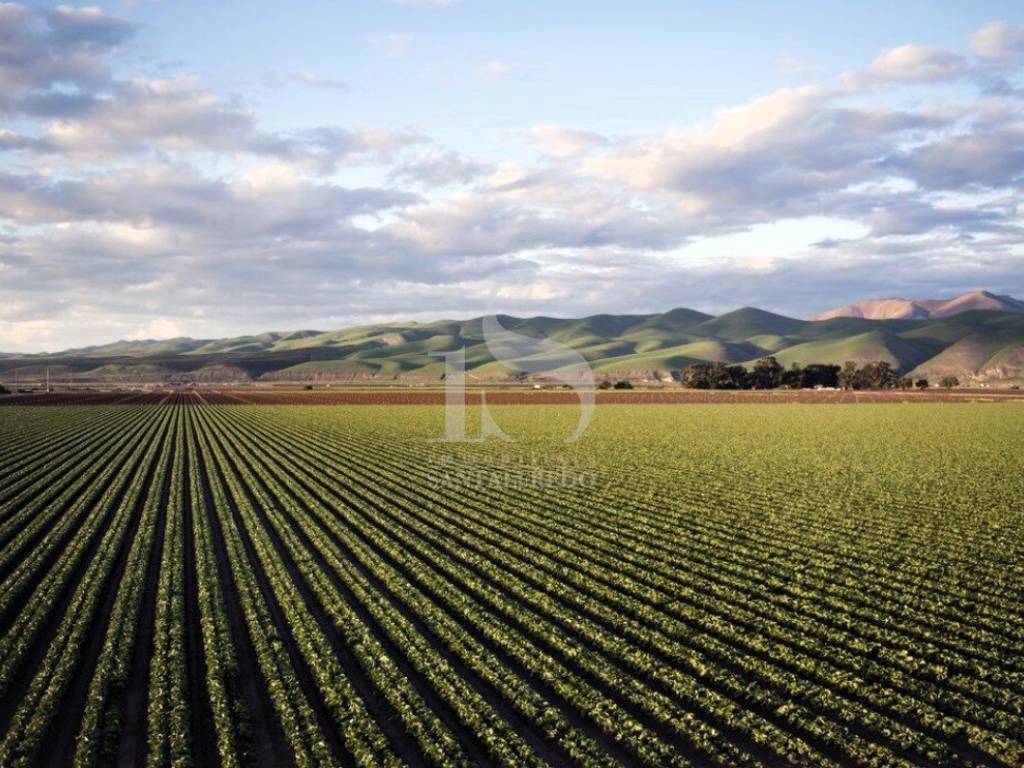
column 327, row 586
column 978, row 345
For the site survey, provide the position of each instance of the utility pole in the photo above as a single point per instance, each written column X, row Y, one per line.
column 47, row 379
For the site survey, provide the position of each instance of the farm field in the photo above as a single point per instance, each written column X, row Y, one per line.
column 709, row 585
column 383, row 395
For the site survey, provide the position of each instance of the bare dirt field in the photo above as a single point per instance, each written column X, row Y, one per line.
column 368, row 396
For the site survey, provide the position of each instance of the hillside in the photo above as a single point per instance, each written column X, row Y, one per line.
column 976, row 346
column 925, row 309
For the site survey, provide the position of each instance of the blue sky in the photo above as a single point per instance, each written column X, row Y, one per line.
column 209, row 169
column 613, row 67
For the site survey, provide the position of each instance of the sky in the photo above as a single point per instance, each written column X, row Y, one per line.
column 215, row 169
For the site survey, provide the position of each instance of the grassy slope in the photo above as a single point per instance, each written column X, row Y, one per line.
column 971, row 344
column 862, row 348
column 974, row 344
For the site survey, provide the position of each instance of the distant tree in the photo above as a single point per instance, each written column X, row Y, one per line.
column 723, row 376
column 886, row 376
column 767, row 373
column 921, row 383
column 848, row 375
column 877, row 374
column 696, row 376
column 948, row 382
column 739, row 377
column 713, row 376
column 820, row 375
column 623, row 384
column 605, row 385
column 794, row 377
column 4, row 390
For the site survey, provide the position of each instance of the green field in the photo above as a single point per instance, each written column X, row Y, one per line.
column 723, row 585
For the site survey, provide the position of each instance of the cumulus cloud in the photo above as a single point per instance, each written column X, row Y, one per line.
column 999, row 42
column 12, row 141
column 176, row 112
column 438, row 169
column 916, row 63
column 914, row 217
column 114, row 219
column 162, row 240
column 54, row 67
column 60, row 47
column 89, row 25
column 179, row 114
column 789, row 154
column 322, row 149
column 269, row 201
column 989, row 156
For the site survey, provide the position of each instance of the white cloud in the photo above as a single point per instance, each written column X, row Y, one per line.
column 178, row 113
column 990, row 157
column 64, row 46
column 113, row 217
column 999, row 42
column 157, row 328
column 439, row 169
column 916, row 63
column 795, row 152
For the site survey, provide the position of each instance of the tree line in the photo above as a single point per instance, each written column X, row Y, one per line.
column 769, row 373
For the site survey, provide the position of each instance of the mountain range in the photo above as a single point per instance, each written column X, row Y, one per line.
column 977, row 345
column 924, row 309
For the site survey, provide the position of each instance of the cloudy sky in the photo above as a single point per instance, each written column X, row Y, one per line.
column 209, row 169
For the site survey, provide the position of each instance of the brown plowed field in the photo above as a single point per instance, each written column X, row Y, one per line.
column 503, row 397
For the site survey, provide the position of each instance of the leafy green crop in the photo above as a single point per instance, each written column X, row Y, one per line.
column 729, row 585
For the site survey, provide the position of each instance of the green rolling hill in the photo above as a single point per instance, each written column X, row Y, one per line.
column 861, row 348
column 746, row 322
column 976, row 346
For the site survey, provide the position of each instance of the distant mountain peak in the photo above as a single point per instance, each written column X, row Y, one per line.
column 925, row 309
